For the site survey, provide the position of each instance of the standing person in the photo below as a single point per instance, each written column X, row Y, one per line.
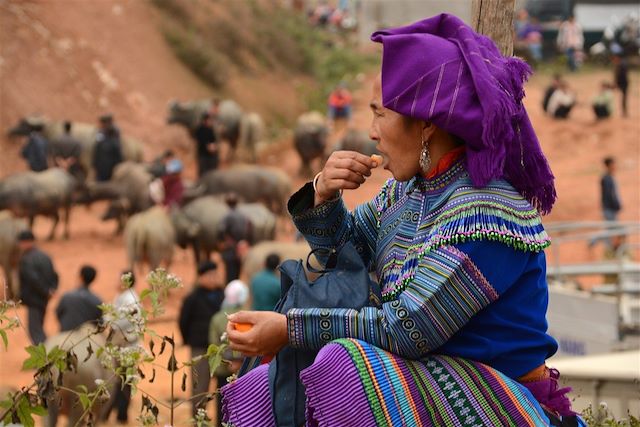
column 609, row 197
column 206, row 145
column 127, row 336
column 236, row 295
column 38, row 282
column 622, row 80
column 457, row 242
column 195, row 315
column 65, row 152
column 107, row 153
column 236, row 228
column 570, row 41
column 339, row 104
column 172, row 184
column 265, row 286
column 81, row 305
column 35, row 150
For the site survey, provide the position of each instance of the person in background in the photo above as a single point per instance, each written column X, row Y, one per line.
column 603, row 102
column 127, row 335
column 158, row 167
column 265, row 286
column 38, row 282
column 65, row 152
column 236, row 295
column 35, row 150
column 107, row 153
column 339, row 104
column 621, row 73
column 195, row 315
column 81, row 305
column 206, row 145
column 555, row 84
column 172, row 184
column 571, row 40
column 561, row 102
column 609, row 197
column 236, row 228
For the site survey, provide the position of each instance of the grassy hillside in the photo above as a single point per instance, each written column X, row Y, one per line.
column 224, row 39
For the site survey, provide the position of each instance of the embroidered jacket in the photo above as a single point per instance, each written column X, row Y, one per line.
column 462, row 271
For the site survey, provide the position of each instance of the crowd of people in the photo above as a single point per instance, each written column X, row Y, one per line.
column 201, row 320
column 559, row 98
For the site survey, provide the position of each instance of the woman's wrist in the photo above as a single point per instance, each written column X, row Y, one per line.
column 320, row 198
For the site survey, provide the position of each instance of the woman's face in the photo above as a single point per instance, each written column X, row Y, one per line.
column 399, row 139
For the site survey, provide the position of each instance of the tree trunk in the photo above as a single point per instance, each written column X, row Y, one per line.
column 494, row 19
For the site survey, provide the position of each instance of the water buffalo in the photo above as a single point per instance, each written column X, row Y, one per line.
column 188, row 114
column 149, row 236
column 356, row 140
column 252, row 184
column 198, row 224
column 310, row 139
column 88, row 370
column 85, row 134
column 10, row 227
column 28, row 194
column 128, row 190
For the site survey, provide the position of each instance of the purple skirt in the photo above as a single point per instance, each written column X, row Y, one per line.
column 352, row 383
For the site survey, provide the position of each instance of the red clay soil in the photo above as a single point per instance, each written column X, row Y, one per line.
column 78, row 59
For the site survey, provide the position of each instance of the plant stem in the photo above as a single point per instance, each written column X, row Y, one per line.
column 173, row 374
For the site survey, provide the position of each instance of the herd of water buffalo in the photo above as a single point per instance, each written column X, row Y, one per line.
column 150, row 232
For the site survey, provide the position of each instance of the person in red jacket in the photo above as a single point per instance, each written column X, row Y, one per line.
column 339, row 104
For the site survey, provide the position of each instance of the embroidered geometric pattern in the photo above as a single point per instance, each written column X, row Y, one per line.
column 438, row 302
column 438, row 391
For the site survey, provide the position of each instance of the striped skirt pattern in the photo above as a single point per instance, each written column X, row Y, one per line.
column 352, row 383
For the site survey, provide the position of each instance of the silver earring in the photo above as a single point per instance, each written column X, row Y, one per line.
column 425, row 157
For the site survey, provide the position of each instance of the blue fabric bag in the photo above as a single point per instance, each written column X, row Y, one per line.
column 343, row 283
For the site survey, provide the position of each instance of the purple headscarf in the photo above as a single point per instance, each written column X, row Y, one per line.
column 440, row 70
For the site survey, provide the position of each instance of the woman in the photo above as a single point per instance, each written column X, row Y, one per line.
column 456, row 241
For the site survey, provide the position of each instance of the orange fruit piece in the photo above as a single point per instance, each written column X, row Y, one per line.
column 377, row 158
column 242, row 327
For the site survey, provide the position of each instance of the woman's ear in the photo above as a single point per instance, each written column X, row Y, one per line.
column 428, row 129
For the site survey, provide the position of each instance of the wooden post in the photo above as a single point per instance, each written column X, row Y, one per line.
column 494, row 19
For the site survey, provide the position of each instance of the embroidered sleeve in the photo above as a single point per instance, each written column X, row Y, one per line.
column 330, row 224
column 447, row 290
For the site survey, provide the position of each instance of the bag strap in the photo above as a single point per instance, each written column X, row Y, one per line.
column 331, row 256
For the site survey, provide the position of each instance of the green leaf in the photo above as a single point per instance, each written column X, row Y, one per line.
column 24, row 411
column 214, row 361
column 145, row 293
column 5, row 340
column 84, row 400
column 37, row 357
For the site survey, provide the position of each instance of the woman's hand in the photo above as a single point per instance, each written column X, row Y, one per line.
column 267, row 336
column 344, row 170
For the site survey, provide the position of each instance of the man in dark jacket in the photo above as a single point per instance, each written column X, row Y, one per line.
column 236, row 228
column 107, row 152
column 207, row 145
column 79, row 306
column 35, row 150
column 38, row 282
column 621, row 74
column 609, row 192
column 195, row 315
